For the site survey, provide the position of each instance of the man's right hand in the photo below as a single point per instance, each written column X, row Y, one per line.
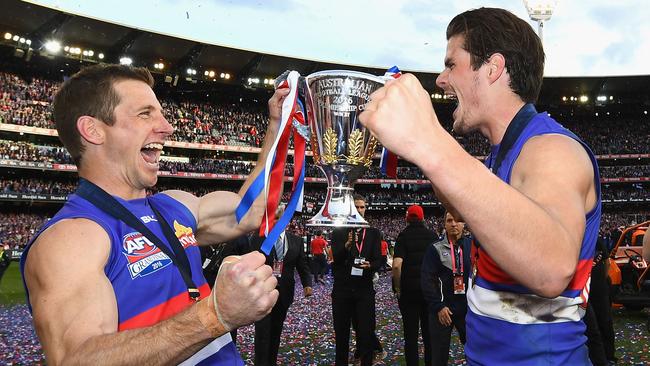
column 444, row 316
column 244, row 290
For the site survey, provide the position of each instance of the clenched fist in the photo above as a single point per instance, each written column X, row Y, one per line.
column 244, row 291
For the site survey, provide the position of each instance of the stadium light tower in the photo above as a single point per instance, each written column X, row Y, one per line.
column 540, row 11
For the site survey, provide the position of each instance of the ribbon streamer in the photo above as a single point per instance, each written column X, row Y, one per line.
column 388, row 162
column 271, row 178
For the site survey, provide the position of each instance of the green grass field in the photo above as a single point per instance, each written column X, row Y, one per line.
column 11, row 286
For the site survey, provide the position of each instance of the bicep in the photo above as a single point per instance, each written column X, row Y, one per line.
column 556, row 173
column 214, row 213
column 71, row 298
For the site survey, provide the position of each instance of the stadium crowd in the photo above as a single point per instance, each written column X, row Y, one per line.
column 26, row 151
column 17, row 228
column 26, row 101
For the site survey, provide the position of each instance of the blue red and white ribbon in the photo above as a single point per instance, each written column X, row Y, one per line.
column 271, row 178
column 388, row 162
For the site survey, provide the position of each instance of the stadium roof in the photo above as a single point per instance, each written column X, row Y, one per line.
column 41, row 24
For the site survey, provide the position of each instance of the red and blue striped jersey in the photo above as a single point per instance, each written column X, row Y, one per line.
column 148, row 286
column 509, row 325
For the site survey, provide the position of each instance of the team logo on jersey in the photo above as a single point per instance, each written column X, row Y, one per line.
column 184, row 234
column 145, row 258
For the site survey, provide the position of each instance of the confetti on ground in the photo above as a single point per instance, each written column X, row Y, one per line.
column 308, row 336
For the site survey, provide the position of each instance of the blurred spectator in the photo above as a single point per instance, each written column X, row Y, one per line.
column 17, row 228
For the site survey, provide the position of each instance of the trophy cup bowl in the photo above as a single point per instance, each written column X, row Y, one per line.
column 342, row 147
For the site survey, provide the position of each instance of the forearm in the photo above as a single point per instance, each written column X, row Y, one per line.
column 494, row 210
column 167, row 343
column 261, row 159
column 397, row 275
column 252, row 219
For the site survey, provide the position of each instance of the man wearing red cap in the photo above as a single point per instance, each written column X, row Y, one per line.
column 412, row 244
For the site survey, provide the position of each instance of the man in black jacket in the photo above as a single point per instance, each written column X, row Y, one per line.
column 287, row 255
column 445, row 271
column 357, row 255
column 412, row 244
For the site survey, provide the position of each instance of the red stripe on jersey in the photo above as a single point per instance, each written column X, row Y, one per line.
column 490, row 271
column 583, row 270
column 162, row 311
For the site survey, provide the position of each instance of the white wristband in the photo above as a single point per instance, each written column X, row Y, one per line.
column 227, row 326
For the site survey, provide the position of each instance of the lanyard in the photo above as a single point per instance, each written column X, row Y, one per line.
column 456, row 256
column 514, row 130
column 107, row 203
column 363, row 239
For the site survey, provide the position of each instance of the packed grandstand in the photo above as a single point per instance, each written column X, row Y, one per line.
column 223, row 133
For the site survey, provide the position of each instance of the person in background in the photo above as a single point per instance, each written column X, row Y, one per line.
column 319, row 249
column 411, row 245
column 444, row 280
column 384, row 254
column 5, row 259
column 357, row 255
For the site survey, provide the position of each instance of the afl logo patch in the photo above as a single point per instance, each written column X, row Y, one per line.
column 137, row 244
column 143, row 256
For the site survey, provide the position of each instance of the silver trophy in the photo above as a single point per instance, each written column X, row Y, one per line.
column 342, row 147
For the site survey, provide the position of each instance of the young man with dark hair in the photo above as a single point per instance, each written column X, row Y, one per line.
column 115, row 276
column 534, row 207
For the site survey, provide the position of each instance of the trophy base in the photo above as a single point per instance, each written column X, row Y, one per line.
column 323, row 221
column 338, row 210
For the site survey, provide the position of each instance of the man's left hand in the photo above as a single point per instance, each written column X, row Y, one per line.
column 275, row 107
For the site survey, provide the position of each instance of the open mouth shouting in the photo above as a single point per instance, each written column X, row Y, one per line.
column 151, row 153
column 454, row 99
